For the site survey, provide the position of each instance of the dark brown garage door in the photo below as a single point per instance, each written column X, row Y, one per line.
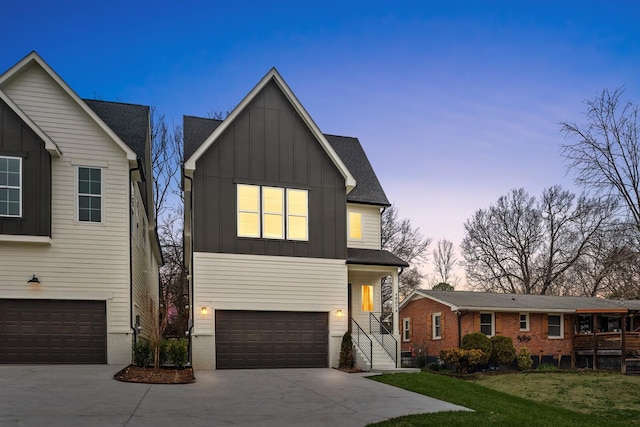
column 52, row 331
column 271, row 339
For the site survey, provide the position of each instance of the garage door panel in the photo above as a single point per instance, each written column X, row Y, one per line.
column 260, row 339
column 52, row 331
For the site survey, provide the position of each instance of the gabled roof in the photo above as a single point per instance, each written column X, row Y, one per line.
column 373, row 257
column 487, row 301
column 129, row 121
column 368, row 190
column 273, row 75
column 34, row 58
column 195, row 132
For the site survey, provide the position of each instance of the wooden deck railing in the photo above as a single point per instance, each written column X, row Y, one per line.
column 606, row 343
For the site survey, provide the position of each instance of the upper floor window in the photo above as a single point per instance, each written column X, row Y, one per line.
column 524, row 321
column 355, row 225
column 89, row 194
column 10, row 186
column 486, row 324
column 261, row 212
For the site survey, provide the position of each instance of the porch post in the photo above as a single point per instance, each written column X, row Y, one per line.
column 623, row 344
column 394, row 308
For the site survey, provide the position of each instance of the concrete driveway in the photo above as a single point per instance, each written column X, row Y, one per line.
column 88, row 396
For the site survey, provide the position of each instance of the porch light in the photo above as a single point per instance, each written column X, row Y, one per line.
column 203, row 311
column 33, row 281
column 339, row 313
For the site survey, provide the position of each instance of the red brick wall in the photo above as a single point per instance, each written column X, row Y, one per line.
column 507, row 324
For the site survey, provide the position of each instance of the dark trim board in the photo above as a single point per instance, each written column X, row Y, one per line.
column 271, row 339
column 53, row 332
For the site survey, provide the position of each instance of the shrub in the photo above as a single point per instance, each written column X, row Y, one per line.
column 502, row 350
column 178, row 352
column 524, row 359
column 478, row 341
column 346, row 352
column 463, row 359
column 547, row 367
column 433, row 366
column 141, row 353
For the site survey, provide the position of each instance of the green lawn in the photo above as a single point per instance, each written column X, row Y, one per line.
column 497, row 408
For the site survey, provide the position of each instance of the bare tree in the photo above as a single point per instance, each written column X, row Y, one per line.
column 605, row 151
column 407, row 242
column 444, row 259
column 520, row 245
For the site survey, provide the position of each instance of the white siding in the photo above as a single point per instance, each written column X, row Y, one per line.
column 370, row 227
column 83, row 257
column 252, row 282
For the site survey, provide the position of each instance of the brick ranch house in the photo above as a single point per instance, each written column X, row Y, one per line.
column 573, row 332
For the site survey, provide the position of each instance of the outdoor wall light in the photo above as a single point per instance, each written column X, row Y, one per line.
column 339, row 313
column 203, row 311
column 34, row 280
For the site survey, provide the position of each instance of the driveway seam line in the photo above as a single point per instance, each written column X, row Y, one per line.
column 137, row 406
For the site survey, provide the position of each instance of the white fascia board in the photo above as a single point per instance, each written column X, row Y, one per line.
column 49, row 144
column 519, row 310
column 33, row 57
column 190, row 164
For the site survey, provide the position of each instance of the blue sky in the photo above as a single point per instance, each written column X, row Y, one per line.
column 455, row 103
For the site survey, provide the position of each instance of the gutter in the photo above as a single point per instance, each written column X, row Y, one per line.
column 132, row 325
column 189, row 272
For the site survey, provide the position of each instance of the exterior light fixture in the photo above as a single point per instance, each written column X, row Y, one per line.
column 203, row 311
column 339, row 313
column 34, row 280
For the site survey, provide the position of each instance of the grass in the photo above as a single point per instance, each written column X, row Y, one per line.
column 508, row 408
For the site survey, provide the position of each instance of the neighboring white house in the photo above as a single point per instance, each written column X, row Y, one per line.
column 79, row 252
column 282, row 239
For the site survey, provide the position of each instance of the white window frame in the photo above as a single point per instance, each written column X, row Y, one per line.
column 493, row 322
column 238, row 211
column 13, row 187
column 305, row 216
column 526, row 320
column 556, row 337
column 434, row 333
column 265, row 212
column 101, row 195
column 351, row 229
column 406, row 329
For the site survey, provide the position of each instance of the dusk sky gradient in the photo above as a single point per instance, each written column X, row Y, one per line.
column 455, row 103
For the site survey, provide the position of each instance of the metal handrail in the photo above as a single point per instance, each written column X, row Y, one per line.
column 379, row 331
column 362, row 340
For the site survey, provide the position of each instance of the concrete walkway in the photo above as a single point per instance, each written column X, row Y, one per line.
column 88, row 396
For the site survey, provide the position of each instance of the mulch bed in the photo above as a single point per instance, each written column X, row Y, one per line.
column 137, row 374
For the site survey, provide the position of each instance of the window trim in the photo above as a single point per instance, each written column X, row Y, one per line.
column 371, row 301
column 257, row 212
column 12, row 187
column 556, row 337
column 289, row 215
column 264, row 212
column 493, row 322
column 434, row 334
column 406, row 329
column 101, row 195
column 350, row 225
column 525, row 329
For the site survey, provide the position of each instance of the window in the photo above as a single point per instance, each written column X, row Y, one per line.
column 89, row 194
column 437, row 325
column 261, row 212
column 10, row 186
column 524, row 321
column 555, row 326
column 585, row 324
column 406, row 329
column 486, row 324
column 367, row 298
column 297, row 211
column 355, row 225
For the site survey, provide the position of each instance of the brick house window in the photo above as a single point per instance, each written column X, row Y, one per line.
column 555, row 329
column 487, row 324
column 406, row 329
column 437, row 326
column 524, row 321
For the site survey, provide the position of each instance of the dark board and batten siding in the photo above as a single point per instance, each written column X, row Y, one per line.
column 268, row 144
column 18, row 140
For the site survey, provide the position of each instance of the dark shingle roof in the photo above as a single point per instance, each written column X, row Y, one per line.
column 129, row 121
column 373, row 257
column 368, row 189
column 464, row 300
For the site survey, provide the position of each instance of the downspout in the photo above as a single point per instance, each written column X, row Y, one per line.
column 133, row 326
column 459, row 315
column 190, row 272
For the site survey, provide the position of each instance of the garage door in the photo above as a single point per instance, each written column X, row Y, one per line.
column 52, row 331
column 271, row 339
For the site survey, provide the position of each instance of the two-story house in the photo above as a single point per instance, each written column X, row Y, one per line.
column 79, row 253
column 282, row 239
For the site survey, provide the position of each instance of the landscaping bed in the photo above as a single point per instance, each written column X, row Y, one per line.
column 149, row 375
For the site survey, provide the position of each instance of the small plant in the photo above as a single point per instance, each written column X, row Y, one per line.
column 178, row 352
column 433, row 366
column 346, row 352
column 463, row 360
column 547, row 367
column 141, row 353
column 502, row 350
column 524, row 359
column 478, row 341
